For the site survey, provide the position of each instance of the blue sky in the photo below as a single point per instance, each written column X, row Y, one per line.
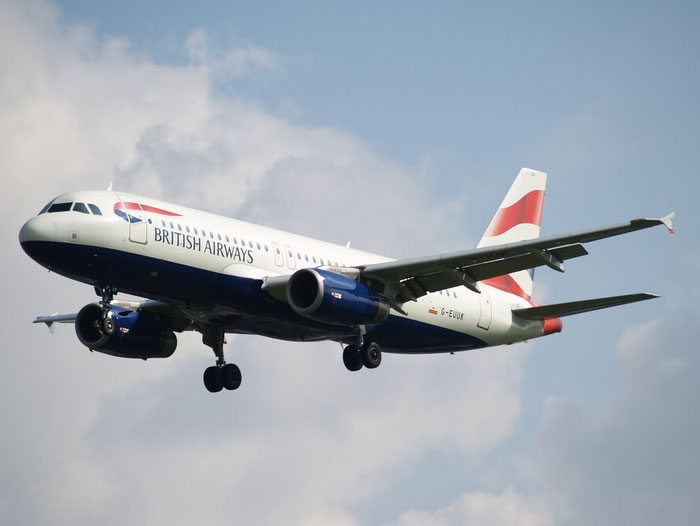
column 399, row 126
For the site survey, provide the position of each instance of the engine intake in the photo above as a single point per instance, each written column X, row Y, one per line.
column 330, row 297
column 133, row 335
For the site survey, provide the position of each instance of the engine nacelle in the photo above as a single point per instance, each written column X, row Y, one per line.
column 134, row 335
column 330, row 297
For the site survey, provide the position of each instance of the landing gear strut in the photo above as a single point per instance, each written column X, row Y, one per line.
column 222, row 375
column 106, row 292
column 367, row 354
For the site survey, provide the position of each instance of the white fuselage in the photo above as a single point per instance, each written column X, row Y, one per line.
column 168, row 236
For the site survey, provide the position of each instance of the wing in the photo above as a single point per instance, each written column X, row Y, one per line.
column 176, row 318
column 410, row 279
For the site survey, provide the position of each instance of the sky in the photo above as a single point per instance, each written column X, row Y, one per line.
column 398, row 126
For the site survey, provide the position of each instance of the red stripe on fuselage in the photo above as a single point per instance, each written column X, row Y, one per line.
column 527, row 210
column 146, row 208
column 507, row 284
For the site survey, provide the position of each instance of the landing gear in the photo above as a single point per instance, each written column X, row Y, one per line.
column 351, row 358
column 371, row 355
column 367, row 354
column 222, row 375
column 106, row 292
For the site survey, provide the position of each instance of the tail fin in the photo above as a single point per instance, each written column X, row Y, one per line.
column 517, row 219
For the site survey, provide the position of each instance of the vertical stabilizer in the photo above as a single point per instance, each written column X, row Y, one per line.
column 518, row 219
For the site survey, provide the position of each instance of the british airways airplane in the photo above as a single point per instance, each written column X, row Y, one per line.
column 216, row 275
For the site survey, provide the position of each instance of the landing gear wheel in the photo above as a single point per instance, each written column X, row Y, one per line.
column 230, row 376
column 351, row 358
column 108, row 326
column 371, row 355
column 212, row 380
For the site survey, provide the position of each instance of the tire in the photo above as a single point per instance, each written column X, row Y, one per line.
column 108, row 326
column 371, row 355
column 351, row 358
column 230, row 376
column 212, row 381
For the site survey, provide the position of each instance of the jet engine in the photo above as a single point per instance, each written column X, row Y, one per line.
column 125, row 333
column 330, row 297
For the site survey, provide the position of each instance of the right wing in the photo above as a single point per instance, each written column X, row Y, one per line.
column 176, row 318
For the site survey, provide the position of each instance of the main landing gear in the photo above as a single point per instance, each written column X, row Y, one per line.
column 222, row 375
column 367, row 354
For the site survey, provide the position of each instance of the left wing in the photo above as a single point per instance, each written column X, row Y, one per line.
column 409, row 279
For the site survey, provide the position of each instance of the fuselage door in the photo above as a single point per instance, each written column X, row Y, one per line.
column 279, row 258
column 289, row 253
column 132, row 212
column 485, row 312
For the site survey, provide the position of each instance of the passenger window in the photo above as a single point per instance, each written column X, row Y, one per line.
column 80, row 207
column 195, row 230
column 314, row 258
column 258, row 245
column 59, row 207
column 187, row 228
column 227, row 239
column 277, row 250
column 179, row 227
column 95, row 210
column 218, row 236
column 162, row 223
column 211, row 234
column 250, row 244
column 266, row 249
column 298, row 256
column 306, row 257
column 289, row 253
column 171, row 225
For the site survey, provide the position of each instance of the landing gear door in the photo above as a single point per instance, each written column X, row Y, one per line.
column 131, row 211
column 485, row 312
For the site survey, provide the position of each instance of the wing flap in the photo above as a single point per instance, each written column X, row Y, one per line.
column 559, row 310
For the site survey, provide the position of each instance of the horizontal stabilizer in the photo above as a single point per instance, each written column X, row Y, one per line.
column 577, row 307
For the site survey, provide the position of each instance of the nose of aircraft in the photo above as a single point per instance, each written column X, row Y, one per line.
column 39, row 228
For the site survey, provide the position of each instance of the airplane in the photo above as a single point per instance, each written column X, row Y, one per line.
column 202, row 272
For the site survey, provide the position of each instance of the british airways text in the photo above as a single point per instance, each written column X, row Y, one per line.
column 190, row 242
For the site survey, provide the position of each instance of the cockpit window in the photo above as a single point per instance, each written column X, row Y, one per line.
column 43, row 210
column 95, row 209
column 59, row 207
column 80, row 207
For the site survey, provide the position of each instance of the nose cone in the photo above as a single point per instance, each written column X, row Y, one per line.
column 37, row 229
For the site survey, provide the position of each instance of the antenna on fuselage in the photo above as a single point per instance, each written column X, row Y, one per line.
column 109, row 188
column 347, row 245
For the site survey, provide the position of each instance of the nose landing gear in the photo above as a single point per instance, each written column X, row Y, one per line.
column 106, row 292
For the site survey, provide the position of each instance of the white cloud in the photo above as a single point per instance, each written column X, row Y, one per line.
column 476, row 508
column 634, row 460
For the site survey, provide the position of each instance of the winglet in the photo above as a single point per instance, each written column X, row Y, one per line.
column 668, row 221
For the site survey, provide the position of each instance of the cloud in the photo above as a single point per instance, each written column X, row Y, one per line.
column 634, row 460
column 506, row 509
column 303, row 440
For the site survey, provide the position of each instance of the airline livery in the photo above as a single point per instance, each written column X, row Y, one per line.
column 215, row 275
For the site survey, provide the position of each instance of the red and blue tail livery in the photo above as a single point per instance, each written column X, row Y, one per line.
column 201, row 272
